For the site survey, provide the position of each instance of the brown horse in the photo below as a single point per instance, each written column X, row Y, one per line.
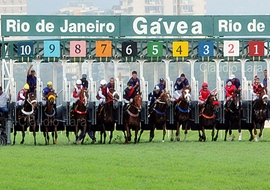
column 106, row 115
column 158, row 115
column 79, row 119
column 259, row 114
column 207, row 116
column 132, row 118
column 49, row 120
column 182, row 109
column 26, row 117
column 232, row 115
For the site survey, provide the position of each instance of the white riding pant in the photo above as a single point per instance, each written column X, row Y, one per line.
column 20, row 103
column 177, row 94
column 75, row 100
column 102, row 101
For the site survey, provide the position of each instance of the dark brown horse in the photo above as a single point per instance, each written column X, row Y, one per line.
column 80, row 118
column 232, row 115
column 207, row 116
column 26, row 117
column 106, row 115
column 132, row 118
column 158, row 115
column 49, row 120
column 259, row 114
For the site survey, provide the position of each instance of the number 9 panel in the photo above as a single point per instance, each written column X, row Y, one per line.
column 51, row 48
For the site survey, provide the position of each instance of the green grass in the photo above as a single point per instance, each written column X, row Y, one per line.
column 169, row 165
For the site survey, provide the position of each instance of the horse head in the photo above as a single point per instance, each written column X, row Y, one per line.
column 137, row 102
column 83, row 97
column 186, row 94
column 113, row 96
column 212, row 101
column 236, row 99
column 31, row 99
column 263, row 95
column 51, row 98
column 164, row 98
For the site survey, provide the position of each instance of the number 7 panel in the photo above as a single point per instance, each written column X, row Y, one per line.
column 104, row 48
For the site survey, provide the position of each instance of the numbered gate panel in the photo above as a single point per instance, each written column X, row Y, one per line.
column 231, row 48
column 25, row 49
column 104, row 48
column 51, row 48
column 77, row 49
column 129, row 49
column 256, row 48
column 180, row 49
column 206, row 48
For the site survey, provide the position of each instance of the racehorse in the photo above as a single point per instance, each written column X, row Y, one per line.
column 158, row 115
column 106, row 115
column 182, row 113
column 26, row 116
column 232, row 114
column 49, row 120
column 79, row 119
column 207, row 116
column 259, row 114
column 132, row 118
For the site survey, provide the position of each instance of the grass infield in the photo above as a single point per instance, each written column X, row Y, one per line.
column 156, row 165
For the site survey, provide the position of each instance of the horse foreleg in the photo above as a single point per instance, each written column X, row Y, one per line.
column 186, row 128
column 177, row 134
column 105, row 135
column 255, row 131
column 251, row 134
column 239, row 130
column 203, row 134
column 67, row 135
column 261, row 130
column 216, row 137
column 34, row 134
column 15, row 133
column 111, row 136
column 200, row 136
column 128, row 134
column 23, row 135
column 141, row 132
column 164, row 131
column 56, row 135
column 136, row 134
column 213, row 132
column 76, row 134
column 226, row 132
column 152, row 132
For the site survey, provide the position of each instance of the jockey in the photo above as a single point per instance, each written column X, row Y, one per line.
column 110, row 84
column 161, row 85
column 203, row 94
column 230, row 90
column 135, row 81
column 22, row 95
column 257, row 87
column 156, row 94
column 77, row 90
column 128, row 94
column 235, row 82
column 180, row 83
column 102, row 92
column 46, row 90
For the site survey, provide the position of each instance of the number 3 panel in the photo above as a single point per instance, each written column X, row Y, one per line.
column 206, row 48
column 51, row 48
column 129, row 49
column 231, row 48
column 77, row 49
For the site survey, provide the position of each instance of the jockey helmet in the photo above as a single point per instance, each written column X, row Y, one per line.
column 49, row 83
column 26, row 86
column 232, row 76
column 129, row 83
column 161, row 80
column 204, row 84
column 103, row 82
column 256, row 77
column 156, row 88
column 78, row 82
column 84, row 76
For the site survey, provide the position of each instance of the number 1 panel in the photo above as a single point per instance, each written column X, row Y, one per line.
column 256, row 48
column 77, row 49
column 51, row 48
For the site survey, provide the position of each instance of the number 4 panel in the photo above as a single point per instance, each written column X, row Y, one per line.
column 180, row 49
column 77, row 48
column 51, row 48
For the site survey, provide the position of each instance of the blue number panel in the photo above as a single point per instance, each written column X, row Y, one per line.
column 206, row 48
column 51, row 48
column 25, row 49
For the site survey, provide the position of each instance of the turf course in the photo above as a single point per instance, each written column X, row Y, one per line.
column 169, row 165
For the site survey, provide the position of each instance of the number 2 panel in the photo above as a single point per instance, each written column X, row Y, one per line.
column 77, row 48
column 103, row 48
column 129, row 49
column 231, row 48
column 51, row 48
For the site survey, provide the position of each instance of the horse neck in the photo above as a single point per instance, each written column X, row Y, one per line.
column 49, row 107
column 209, row 109
column 27, row 106
column 81, row 106
column 160, row 106
column 183, row 103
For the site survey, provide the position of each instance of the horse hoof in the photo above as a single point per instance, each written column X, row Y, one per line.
column 171, row 139
column 200, row 139
column 215, row 139
column 21, row 142
column 55, row 141
column 178, row 138
column 162, row 140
